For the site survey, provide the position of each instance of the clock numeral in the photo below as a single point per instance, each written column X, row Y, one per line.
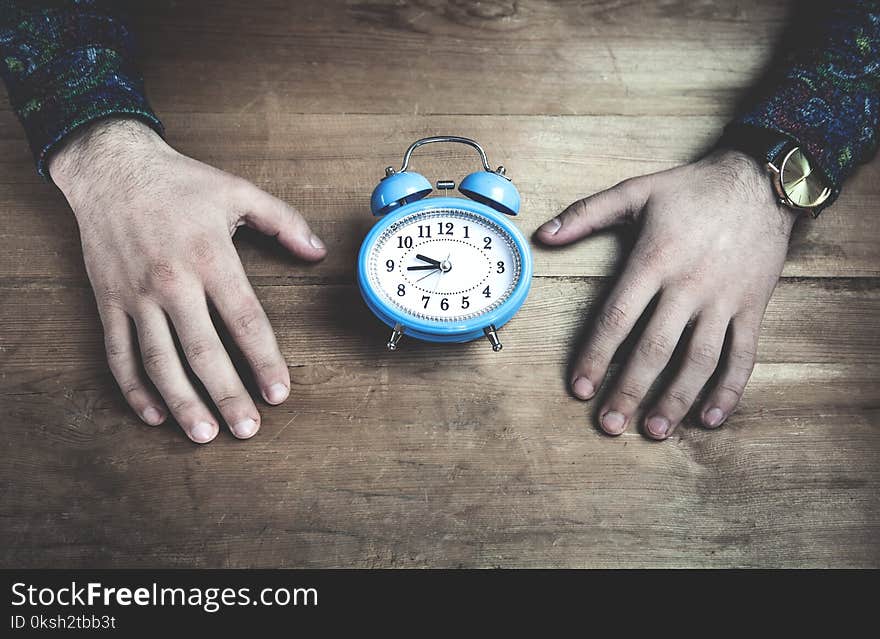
column 401, row 290
column 466, row 233
column 487, row 292
column 487, row 242
column 448, row 226
column 500, row 267
column 444, row 304
column 389, row 265
column 404, row 242
column 425, row 230
column 465, row 302
column 426, row 299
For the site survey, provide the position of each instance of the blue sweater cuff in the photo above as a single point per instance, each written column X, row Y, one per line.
column 66, row 67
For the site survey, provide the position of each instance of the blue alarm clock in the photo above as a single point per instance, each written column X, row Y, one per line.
column 445, row 269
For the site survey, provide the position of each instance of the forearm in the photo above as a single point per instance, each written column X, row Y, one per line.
column 827, row 95
column 66, row 64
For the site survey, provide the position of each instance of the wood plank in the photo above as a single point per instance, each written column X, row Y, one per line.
column 506, row 472
column 535, row 57
column 809, row 321
column 484, row 484
column 328, row 165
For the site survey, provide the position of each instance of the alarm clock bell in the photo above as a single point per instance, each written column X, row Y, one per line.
column 492, row 188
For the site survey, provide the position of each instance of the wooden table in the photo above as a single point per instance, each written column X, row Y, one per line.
column 440, row 455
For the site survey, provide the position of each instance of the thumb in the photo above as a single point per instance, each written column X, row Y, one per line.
column 620, row 203
column 267, row 214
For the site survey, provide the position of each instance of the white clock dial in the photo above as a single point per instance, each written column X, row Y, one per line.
column 445, row 265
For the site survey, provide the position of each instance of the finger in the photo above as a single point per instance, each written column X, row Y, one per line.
column 737, row 369
column 652, row 353
column 701, row 359
column 274, row 217
column 612, row 206
column 210, row 362
column 244, row 317
column 628, row 300
column 165, row 369
column 122, row 356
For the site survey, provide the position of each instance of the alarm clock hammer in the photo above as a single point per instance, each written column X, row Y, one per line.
column 445, row 269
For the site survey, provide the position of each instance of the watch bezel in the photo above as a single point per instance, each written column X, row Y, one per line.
column 779, row 186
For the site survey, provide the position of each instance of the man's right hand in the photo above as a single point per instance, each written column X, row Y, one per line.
column 156, row 231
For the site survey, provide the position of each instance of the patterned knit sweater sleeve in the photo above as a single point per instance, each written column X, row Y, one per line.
column 827, row 96
column 66, row 63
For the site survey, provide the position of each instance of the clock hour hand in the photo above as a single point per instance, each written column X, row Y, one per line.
column 428, row 260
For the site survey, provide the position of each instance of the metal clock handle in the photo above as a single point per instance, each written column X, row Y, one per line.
column 490, row 331
column 445, row 138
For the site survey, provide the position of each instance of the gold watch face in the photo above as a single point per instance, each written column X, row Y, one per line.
column 803, row 186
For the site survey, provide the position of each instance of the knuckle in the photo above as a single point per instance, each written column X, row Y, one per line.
column 733, row 388
column 742, row 361
column 248, row 321
column 162, row 276
column 679, row 398
column 182, row 405
column 116, row 348
column 653, row 254
column 239, row 189
column 228, row 398
column 129, row 387
column 155, row 359
column 703, row 356
column 631, row 392
column 110, row 297
column 655, row 347
column 626, row 187
column 576, row 211
column 613, row 318
column 202, row 250
column 694, row 280
column 263, row 364
column 199, row 350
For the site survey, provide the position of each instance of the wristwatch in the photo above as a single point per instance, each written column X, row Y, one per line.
column 797, row 181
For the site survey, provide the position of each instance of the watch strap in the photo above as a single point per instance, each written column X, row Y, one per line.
column 765, row 145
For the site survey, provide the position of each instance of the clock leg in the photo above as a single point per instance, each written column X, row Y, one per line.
column 396, row 334
column 492, row 335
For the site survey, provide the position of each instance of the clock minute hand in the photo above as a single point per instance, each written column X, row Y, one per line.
column 429, row 267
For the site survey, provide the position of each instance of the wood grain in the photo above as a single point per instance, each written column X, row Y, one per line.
column 329, row 176
column 506, row 470
column 441, row 455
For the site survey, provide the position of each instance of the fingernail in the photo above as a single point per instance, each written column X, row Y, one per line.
column 316, row 242
column 152, row 416
column 276, row 393
column 245, row 428
column 583, row 388
column 613, row 422
column 552, row 226
column 202, row 433
column 714, row 417
column 658, row 426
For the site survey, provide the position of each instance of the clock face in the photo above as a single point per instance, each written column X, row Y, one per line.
column 446, row 265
